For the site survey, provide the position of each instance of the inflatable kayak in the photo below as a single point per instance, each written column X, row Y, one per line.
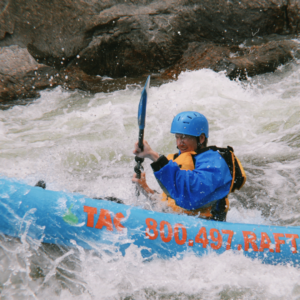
column 73, row 219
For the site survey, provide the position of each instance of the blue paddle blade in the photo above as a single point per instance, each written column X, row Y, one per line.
column 143, row 105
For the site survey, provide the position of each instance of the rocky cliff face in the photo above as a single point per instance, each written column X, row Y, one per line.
column 117, row 38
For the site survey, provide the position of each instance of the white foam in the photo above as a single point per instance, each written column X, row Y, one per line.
column 80, row 142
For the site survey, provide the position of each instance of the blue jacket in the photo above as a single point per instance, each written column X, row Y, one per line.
column 208, row 182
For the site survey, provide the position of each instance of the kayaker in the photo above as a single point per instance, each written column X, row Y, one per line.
column 196, row 180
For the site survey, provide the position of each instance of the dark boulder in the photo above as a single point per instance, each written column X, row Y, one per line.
column 200, row 55
column 133, row 38
column 238, row 61
column 121, row 37
column 259, row 59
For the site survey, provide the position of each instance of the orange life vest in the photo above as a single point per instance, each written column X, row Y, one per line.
column 185, row 162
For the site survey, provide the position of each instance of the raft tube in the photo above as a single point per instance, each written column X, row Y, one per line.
column 73, row 219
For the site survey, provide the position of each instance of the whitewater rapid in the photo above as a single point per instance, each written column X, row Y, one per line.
column 79, row 142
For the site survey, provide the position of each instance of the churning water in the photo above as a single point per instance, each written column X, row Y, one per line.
column 83, row 143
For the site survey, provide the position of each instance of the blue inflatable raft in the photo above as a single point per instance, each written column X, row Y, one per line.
column 72, row 219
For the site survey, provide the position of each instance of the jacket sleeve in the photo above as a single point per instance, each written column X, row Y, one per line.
column 208, row 182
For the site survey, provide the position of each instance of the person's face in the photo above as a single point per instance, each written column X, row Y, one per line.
column 186, row 143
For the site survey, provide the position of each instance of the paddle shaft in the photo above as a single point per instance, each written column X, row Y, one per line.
column 139, row 160
column 141, row 122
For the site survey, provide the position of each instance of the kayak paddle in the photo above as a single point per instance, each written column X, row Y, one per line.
column 141, row 123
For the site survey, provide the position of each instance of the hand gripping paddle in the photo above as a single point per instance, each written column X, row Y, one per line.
column 141, row 123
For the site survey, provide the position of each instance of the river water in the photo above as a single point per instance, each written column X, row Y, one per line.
column 83, row 143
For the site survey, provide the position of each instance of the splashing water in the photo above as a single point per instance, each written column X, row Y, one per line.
column 80, row 142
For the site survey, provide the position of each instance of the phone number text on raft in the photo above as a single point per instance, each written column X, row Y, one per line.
column 205, row 237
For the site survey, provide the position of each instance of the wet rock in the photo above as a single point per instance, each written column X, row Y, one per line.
column 28, row 85
column 292, row 14
column 238, row 61
column 259, row 59
column 121, row 37
column 16, row 60
column 85, row 39
column 200, row 56
column 24, row 85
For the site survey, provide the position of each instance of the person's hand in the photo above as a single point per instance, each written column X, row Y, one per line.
column 146, row 153
column 142, row 183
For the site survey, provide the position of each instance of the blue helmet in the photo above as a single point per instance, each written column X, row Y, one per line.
column 190, row 123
